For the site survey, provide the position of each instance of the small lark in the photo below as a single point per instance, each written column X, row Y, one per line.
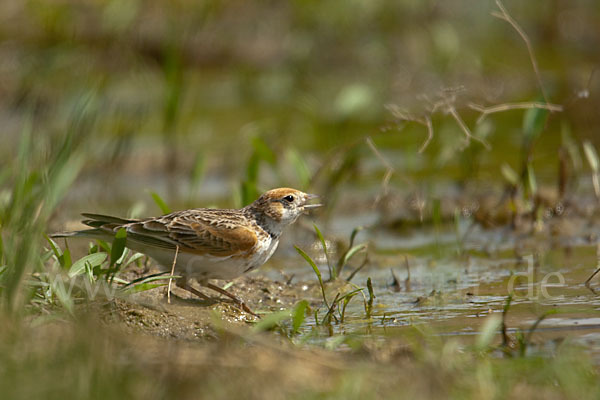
column 208, row 243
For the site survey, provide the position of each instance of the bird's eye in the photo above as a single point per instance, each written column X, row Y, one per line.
column 289, row 198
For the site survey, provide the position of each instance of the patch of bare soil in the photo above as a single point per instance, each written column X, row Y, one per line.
column 189, row 317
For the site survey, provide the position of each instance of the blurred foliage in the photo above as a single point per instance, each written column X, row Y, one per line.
column 194, row 99
column 90, row 361
column 312, row 75
column 39, row 177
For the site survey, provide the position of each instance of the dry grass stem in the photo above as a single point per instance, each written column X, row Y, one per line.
column 446, row 105
column 447, row 102
column 588, row 280
column 468, row 135
column 424, row 120
column 407, row 280
column 485, row 111
column 596, row 185
column 389, row 169
column 429, row 133
column 585, row 93
column 172, row 272
column 504, row 15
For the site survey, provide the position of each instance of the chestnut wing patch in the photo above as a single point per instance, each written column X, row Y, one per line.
column 215, row 241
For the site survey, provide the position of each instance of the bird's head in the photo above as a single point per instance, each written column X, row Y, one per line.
column 284, row 205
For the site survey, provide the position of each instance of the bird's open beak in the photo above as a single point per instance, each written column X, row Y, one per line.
column 311, row 197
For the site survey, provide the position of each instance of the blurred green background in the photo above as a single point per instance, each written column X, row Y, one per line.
column 171, row 92
column 207, row 103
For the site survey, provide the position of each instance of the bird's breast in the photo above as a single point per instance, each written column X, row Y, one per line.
column 264, row 250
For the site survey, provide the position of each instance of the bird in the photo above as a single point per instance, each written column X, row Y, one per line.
column 207, row 243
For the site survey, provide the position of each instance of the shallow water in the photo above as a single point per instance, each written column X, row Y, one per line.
column 454, row 286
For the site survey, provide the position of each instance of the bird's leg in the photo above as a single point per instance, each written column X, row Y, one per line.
column 183, row 283
column 232, row 297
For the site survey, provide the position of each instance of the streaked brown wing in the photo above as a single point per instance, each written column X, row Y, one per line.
column 193, row 235
column 135, row 230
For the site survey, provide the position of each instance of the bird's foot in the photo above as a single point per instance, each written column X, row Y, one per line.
column 183, row 284
column 232, row 297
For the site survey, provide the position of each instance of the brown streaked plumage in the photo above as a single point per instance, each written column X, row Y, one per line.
column 210, row 243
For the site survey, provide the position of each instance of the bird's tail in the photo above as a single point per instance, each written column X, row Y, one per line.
column 98, row 220
column 86, row 233
column 103, row 227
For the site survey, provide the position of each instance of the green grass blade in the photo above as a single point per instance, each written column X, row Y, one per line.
column 316, row 269
column 527, row 340
column 56, row 250
column 63, row 257
column 145, row 283
column 143, row 287
column 355, row 232
column 300, row 167
column 249, row 192
column 534, row 121
column 118, row 246
column 103, row 245
column 352, row 252
column 346, row 299
column 488, row 331
column 196, row 175
column 159, row 278
column 371, row 297
column 348, row 254
column 94, row 260
column 592, row 156
column 531, row 180
column 164, row 208
column 298, row 315
column 509, row 174
column 437, row 214
column 263, row 151
column 150, row 278
column 133, row 259
column 198, row 170
column 332, row 269
column 271, row 321
column 66, row 259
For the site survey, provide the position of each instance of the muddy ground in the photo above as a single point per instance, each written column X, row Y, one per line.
column 189, row 317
